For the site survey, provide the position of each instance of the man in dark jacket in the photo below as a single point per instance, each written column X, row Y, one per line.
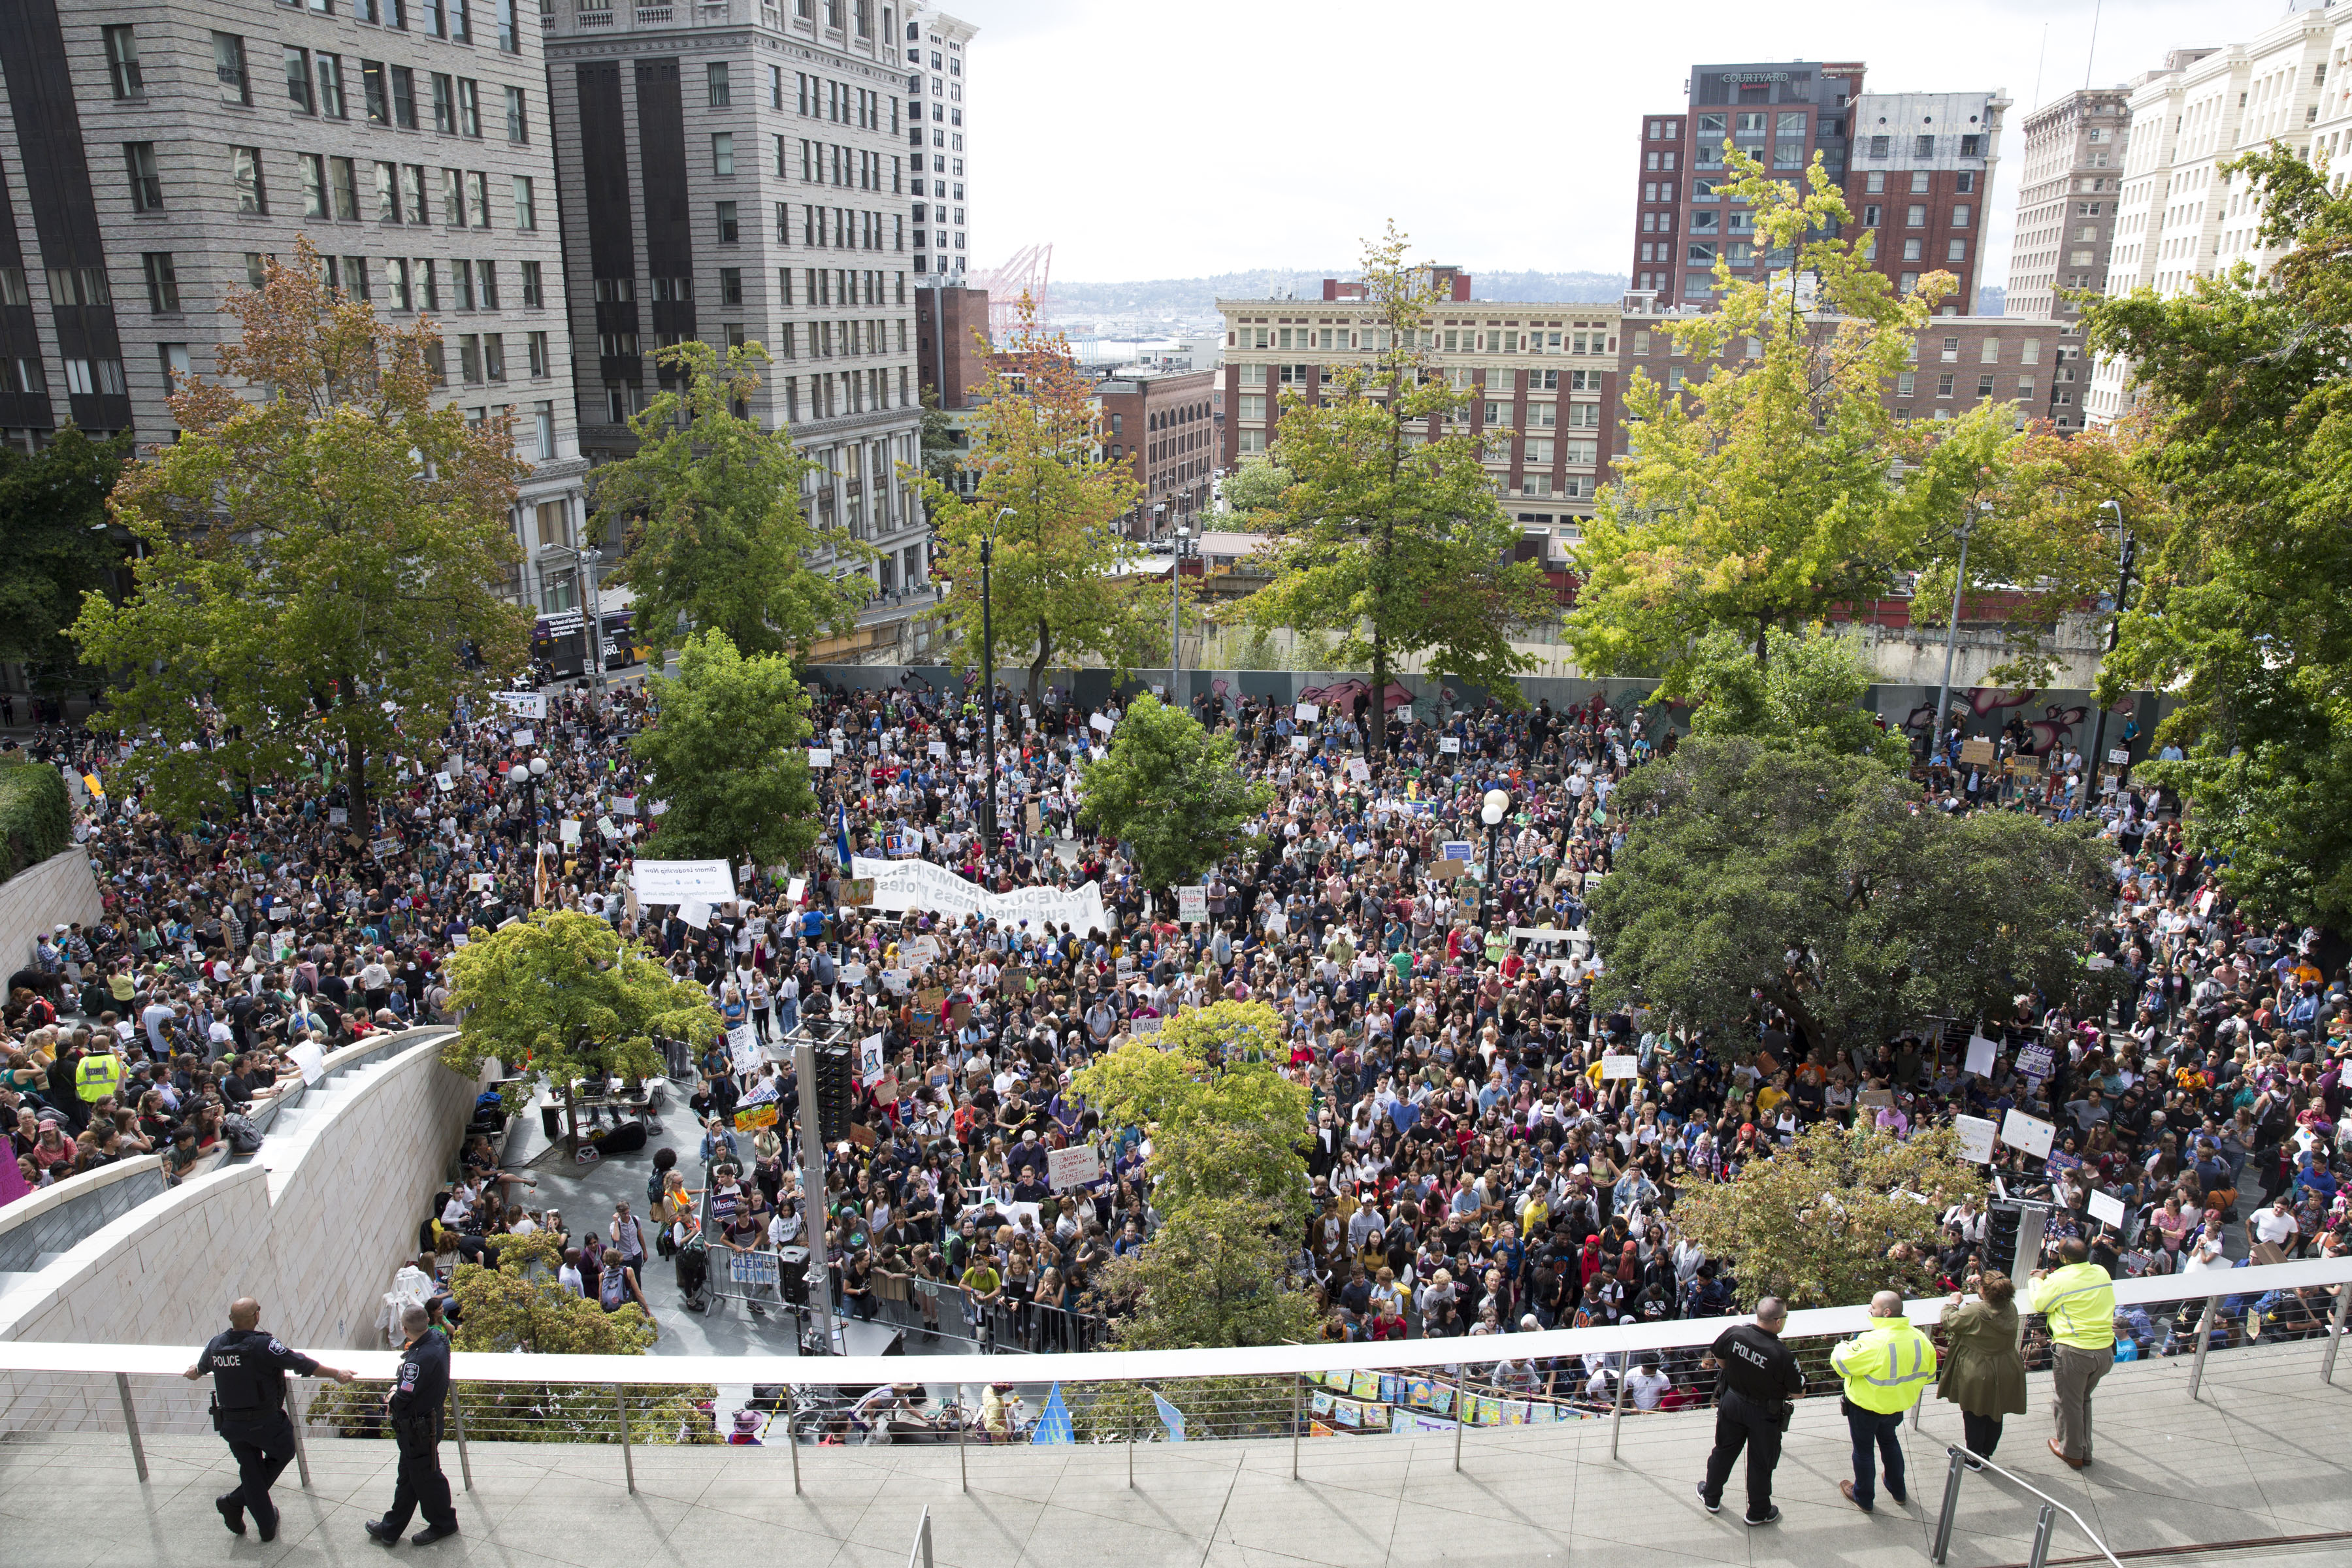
column 249, row 1368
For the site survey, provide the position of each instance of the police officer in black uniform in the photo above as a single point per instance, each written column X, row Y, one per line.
column 249, row 1368
column 1758, row 1377
column 414, row 1406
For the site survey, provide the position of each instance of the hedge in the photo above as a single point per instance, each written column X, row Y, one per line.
column 35, row 817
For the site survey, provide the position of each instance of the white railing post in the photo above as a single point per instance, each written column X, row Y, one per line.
column 131, row 1424
column 2335, row 1333
column 2204, row 1338
column 628, row 1461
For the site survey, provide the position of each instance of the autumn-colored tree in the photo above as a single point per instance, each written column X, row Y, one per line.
column 325, row 552
column 1050, row 498
column 1389, row 532
column 709, row 509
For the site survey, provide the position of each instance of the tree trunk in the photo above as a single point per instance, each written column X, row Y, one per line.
column 1379, row 694
column 1037, row 665
column 355, row 761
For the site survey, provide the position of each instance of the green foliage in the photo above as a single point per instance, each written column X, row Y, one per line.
column 52, row 534
column 728, row 752
column 315, row 559
column 1804, row 695
column 1820, row 1224
column 560, row 994
column 942, row 459
column 1256, row 486
column 1742, row 853
column 35, row 817
column 1173, row 792
column 2240, row 615
column 1213, row 1277
column 710, row 508
column 1390, row 534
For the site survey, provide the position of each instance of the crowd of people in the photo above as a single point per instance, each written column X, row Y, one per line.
column 1474, row 1171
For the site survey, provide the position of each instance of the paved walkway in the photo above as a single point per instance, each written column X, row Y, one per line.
column 2261, row 1456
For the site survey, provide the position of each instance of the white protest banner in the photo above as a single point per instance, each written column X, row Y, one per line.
column 939, row 749
column 685, row 882
column 820, row 757
column 743, row 1048
column 2118, row 755
column 1192, row 904
column 2107, row 1208
column 624, row 805
column 1100, row 724
column 570, row 828
column 1457, row 849
column 1359, row 770
column 903, row 885
column 1975, row 1139
column 792, row 893
column 1982, row 1052
column 605, row 826
column 525, row 737
column 869, row 1058
column 311, row 1059
column 2035, row 1060
column 1073, row 1167
column 1309, row 712
column 477, row 881
column 1621, row 1066
column 1299, row 744
column 336, row 816
column 521, row 704
column 1451, row 745
column 2029, row 1134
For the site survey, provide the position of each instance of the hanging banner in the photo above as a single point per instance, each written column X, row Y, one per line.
column 685, row 882
column 902, row 885
column 1076, row 1166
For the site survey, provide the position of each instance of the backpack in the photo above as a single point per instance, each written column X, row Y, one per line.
column 243, row 1136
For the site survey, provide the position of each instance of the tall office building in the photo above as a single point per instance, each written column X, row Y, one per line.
column 937, row 74
column 1915, row 168
column 2066, row 200
column 156, row 155
column 2179, row 217
column 739, row 171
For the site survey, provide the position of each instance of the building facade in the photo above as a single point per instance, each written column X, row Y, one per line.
column 1164, row 426
column 2179, row 217
column 158, row 157
column 1915, row 170
column 737, row 172
column 1541, row 376
column 2066, row 201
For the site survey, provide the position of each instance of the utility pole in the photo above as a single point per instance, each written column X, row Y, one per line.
column 2128, row 549
column 819, row 1271
column 1952, row 631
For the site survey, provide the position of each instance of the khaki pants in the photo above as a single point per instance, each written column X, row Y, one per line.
column 2077, row 1373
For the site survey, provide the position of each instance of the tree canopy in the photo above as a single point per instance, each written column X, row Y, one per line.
column 1173, row 792
column 53, row 525
column 324, row 550
column 1389, row 532
column 1804, row 694
column 728, row 752
column 709, row 510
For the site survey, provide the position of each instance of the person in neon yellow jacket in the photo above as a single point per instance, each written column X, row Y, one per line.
column 1885, row 1371
column 2079, row 1300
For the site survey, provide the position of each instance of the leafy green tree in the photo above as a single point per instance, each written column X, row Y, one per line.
column 2240, row 615
column 1172, row 792
column 561, row 996
column 1818, row 883
column 52, row 534
column 943, row 457
column 1213, row 1277
column 1390, row 534
column 728, row 750
column 1836, row 1216
column 709, row 506
column 317, row 554
column 1256, row 486
column 1057, row 588
column 1805, row 694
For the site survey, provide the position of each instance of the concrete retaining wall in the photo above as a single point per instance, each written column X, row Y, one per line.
column 59, row 890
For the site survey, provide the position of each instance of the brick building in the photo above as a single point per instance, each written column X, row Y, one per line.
column 1165, row 424
column 949, row 361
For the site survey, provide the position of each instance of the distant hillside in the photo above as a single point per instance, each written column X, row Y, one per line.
column 1197, row 297
column 1992, row 299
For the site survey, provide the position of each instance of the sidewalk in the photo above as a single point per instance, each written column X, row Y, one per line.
column 2257, row 1459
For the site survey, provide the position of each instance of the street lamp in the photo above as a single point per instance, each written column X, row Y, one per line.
column 1184, row 543
column 2127, row 549
column 988, row 680
column 531, row 775
column 1491, row 811
column 1952, row 631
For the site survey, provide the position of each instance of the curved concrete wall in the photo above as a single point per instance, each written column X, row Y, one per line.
column 60, row 889
column 313, row 1228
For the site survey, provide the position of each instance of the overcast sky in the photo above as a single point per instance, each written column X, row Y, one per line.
column 1170, row 141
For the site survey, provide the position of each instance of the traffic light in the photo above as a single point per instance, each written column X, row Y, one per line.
column 836, row 1090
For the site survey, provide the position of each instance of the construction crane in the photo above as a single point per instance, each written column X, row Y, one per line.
column 1030, row 271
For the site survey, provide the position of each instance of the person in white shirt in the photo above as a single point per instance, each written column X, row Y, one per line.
column 2276, row 1227
column 1646, row 1385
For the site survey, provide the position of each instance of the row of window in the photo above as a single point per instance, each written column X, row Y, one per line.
column 1906, row 384
column 829, row 396
column 333, row 188
column 450, row 19
column 1915, row 215
column 320, row 84
column 812, row 286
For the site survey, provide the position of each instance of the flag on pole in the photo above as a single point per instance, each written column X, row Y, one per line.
column 1054, row 1421
column 1170, row 1416
column 841, row 834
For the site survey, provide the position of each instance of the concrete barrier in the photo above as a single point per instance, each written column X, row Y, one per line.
column 58, row 891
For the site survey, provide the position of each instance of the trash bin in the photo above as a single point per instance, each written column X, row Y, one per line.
column 551, row 1120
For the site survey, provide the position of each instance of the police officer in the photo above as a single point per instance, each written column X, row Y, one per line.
column 249, row 1368
column 414, row 1406
column 1885, row 1372
column 1757, row 1378
column 2079, row 1301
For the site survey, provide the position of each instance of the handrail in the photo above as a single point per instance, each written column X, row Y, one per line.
column 478, row 1366
column 1963, row 1456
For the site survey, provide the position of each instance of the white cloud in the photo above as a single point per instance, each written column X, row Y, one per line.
column 1216, row 135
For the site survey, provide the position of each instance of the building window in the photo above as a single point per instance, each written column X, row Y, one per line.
column 174, row 364
column 1944, row 384
column 542, row 423
column 478, row 200
column 163, row 281
column 518, row 117
column 403, row 98
column 1960, row 216
column 722, row 153
column 534, row 293
column 1918, row 182
column 526, row 213
column 537, row 346
column 728, row 230
column 1956, row 250
column 469, row 107
column 122, row 62
column 298, row 80
column 245, row 178
column 146, row 182
column 715, row 76
column 1906, row 383
column 332, row 102
column 730, row 285
column 228, row 64
column 1984, row 384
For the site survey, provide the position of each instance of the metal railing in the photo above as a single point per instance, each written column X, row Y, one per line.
column 1963, row 1460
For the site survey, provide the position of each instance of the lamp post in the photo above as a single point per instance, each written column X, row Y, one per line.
column 1176, row 614
column 2126, row 549
column 1952, row 630
column 1491, row 811
column 988, row 683
column 531, row 775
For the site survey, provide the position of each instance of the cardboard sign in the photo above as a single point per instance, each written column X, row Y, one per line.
column 937, row 749
column 382, row 848
column 1975, row 1139
column 1981, row 1053
column 1613, row 1067
column 820, row 757
column 753, row 1268
column 1073, row 1167
column 1036, row 818
column 2120, row 756
column 570, row 829
column 1875, row 1099
column 1099, row 725
column 2029, row 1134
column 1450, row 745
column 2107, row 1208
column 857, row 890
column 525, row 737
column 1446, row 870
column 1976, row 752
column 1307, row 712
column 1191, row 905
